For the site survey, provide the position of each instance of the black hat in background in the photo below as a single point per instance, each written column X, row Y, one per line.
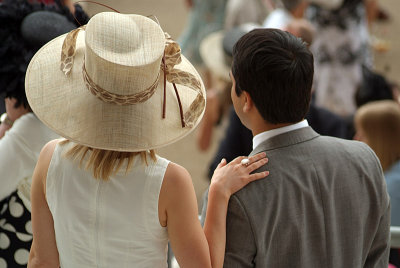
column 40, row 27
column 230, row 39
column 21, row 35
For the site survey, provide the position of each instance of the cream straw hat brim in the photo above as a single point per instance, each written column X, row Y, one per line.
column 212, row 53
column 66, row 106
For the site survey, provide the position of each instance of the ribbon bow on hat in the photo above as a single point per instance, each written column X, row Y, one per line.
column 171, row 58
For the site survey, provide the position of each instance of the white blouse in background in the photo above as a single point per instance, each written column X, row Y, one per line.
column 19, row 151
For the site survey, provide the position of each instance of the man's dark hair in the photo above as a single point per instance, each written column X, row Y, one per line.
column 276, row 69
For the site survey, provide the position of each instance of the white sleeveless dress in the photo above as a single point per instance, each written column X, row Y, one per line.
column 110, row 223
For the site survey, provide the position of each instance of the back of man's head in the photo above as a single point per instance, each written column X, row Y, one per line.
column 276, row 69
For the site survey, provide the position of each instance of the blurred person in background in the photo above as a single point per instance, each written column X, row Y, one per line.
column 216, row 52
column 373, row 87
column 25, row 28
column 281, row 16
column 205, row 17
column 243, row 14
column 341, row 48
column 239, row 12
column 377, row 124
column 301, row 28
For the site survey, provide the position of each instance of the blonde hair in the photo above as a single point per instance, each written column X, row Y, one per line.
column 380, row 123
column 104, row 163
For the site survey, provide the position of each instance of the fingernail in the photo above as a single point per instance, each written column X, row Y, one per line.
column 266, row 173
column 222, row 160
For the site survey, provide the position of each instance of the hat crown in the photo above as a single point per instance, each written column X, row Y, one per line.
column 123, row 52
column 102, row 38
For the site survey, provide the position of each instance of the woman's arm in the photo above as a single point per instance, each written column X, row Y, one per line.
column 44, row 251
column 227, row 180
column 178, row 210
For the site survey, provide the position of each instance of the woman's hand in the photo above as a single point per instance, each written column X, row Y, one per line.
column 230, row 178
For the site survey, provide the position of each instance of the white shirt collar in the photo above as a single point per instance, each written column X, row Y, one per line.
column 263, row 136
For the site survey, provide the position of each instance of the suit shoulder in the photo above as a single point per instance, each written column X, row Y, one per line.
column 356, row 146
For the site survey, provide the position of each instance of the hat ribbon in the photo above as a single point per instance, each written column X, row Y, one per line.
column 172, row 57
column 68, row 50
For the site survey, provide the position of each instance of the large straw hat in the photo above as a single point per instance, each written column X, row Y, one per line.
column 111, row 89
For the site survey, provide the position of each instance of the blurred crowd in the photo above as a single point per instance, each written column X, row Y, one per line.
column 350, row 99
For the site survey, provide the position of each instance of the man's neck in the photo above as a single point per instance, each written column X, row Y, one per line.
column 260, row 128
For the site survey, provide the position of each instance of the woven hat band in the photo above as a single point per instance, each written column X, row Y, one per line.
column 109, row 97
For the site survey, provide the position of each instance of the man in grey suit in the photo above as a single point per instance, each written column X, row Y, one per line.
column 325, row 202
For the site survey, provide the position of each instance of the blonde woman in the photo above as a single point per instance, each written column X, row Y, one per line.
column 378, row 124
column 102, row 197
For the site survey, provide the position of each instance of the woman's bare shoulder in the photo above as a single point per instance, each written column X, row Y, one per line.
column 51, row 145
column 46, row 154
column 177, row 184
column 176, row 171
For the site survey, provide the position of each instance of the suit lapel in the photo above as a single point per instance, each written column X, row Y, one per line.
column 286, row 139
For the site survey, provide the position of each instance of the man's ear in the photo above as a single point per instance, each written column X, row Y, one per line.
column 248, row 102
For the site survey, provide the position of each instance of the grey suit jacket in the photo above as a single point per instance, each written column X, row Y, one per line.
column 324, row 204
